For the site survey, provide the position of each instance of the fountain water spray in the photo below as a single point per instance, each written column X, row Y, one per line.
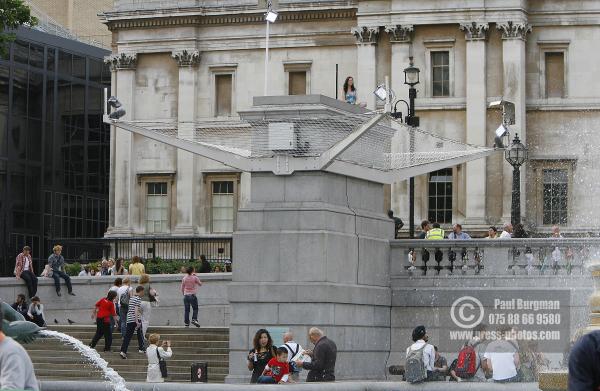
column 92, row 355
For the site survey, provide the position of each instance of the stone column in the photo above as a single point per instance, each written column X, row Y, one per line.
column 476, row 35
column 124, row 65
column 111, row 178
column 401, row 40
column 312, row 249
column 513, row 58
column 366, row 70
column 188, row 61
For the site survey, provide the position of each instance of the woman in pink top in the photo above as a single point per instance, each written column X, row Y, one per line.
column 189, row 286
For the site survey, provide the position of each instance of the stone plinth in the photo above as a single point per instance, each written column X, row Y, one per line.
column 312, row 249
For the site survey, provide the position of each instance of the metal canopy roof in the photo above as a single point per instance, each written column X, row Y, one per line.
column 373, row 147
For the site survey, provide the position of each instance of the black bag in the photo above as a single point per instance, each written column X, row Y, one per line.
column 162, row 364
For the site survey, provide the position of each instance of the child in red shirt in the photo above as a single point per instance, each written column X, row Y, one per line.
column 277, row 369
column 104, row 310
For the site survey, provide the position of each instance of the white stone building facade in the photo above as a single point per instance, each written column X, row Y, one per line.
column 193, row 61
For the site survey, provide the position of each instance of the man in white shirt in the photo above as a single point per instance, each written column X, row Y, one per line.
column 507, row 229
column 420, row 338
column 294, row 351
column 502, row 357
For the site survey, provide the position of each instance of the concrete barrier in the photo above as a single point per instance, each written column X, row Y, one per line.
column 337, row 386
column 212, row 298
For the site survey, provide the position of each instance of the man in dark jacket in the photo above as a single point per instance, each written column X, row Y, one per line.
column 584, row 361
column 322, row 366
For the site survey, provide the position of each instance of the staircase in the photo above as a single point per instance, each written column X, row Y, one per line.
column 54, row 361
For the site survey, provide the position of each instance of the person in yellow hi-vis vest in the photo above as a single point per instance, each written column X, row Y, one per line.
column 436, row 233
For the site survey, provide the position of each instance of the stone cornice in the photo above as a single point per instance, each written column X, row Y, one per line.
column 121, row 61
column 186, row 58
column 512, row 30
column 118, row 22
column 400, row 33
column 366, row 35
column 475, row 31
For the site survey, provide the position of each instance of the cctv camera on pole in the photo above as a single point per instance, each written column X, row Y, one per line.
column 508, row 118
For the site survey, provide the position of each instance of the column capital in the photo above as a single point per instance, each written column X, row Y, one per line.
column 186, row 57
column 121, row 61
column 475, row 31
column 400, row 33
column 512, row 30
column 366, row 35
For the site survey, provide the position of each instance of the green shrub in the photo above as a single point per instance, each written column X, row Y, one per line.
column 72, row 269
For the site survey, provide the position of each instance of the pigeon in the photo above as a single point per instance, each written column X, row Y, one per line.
column 70, row 321
column 168, row 322
column 55, row 321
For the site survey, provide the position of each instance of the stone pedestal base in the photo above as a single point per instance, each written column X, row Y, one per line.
column 312, row 249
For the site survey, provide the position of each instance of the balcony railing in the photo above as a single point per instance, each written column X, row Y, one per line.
column 485, row 257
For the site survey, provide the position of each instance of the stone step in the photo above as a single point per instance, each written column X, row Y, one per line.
column 163, row 336
column 125, row 367
column 132, row 360
column 53, row 344
column 152, row 329
column 54, row 360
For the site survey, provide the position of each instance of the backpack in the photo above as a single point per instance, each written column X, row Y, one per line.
column 291, row 362
column 466, row 365
column 415, row 370
column 124, row 300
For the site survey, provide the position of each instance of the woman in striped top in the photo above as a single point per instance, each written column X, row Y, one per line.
column 134, row 322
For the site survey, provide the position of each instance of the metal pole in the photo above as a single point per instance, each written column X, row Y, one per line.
column 266, row 59
column 515, row 215
column 412, row 94
column 337, row 78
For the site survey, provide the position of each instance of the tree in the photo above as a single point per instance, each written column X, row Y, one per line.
column 13, row 13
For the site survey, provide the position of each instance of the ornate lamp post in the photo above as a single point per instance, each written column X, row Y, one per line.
column 411, row 78
column 516, row 155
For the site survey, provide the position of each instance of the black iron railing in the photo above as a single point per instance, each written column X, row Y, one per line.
column 217, row 249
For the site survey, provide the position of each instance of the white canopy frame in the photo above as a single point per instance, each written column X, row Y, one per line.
column 337, row 158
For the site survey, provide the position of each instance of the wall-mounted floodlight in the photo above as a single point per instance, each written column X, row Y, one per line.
column 118, row 111
column 501, row 135
column 381, row 93
column 508, row 118
column 271, row 16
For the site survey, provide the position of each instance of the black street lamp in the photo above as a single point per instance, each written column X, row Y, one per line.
column 516, row 155
column 411, row 78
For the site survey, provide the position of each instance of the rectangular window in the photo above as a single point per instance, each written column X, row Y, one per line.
column 440, row 196
column 223, row 206
column 223, row 95
column 157, row 207
column 297, row 83
column 555, row 74
column 440, row 73
column 556, row 187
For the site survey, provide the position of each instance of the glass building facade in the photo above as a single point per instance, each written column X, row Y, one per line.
column 54, row 148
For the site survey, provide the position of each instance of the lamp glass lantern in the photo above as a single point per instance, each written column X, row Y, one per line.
column 517, row 154
column 271, row 16
column 411, row 74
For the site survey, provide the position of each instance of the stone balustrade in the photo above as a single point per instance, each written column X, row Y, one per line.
column 485, row 257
